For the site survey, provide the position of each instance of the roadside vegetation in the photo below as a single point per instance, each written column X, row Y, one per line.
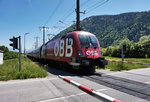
column 8, row 54
column 136, row 52
column 9, row 70
column 140, row 49
column 115, row 66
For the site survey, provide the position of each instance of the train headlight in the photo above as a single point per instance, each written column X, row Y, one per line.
column 80, row 53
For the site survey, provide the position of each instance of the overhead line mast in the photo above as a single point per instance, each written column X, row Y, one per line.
column 78, row 16
column 36, row 43
column 44, row 29
column 78, row 28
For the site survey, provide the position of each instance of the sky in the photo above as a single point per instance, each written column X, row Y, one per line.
column 18, row 17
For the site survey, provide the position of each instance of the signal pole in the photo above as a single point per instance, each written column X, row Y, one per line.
column 44, row 29
column 19, row 53
column 124, row 49
column 15, row 46
column 122, row 54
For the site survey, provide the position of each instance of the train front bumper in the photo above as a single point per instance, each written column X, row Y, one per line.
column 84, row 61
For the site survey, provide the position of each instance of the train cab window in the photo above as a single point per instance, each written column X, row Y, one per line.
column 88, row 41
column 83, row 41
column 93, row 41
column 70, row 41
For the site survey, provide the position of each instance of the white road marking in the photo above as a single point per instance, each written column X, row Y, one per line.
column 65, row 97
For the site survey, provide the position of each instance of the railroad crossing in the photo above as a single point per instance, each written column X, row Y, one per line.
column 54, row 89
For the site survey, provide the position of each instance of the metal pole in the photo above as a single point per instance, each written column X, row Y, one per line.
column 19, row 53
column 122, row 54
column 44, row 29
column 25, row 43
column 44, row 35
column 36, row 42
column 24, row 46
column 78, row 15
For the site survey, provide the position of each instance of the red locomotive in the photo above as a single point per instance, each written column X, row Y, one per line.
column 78, row 49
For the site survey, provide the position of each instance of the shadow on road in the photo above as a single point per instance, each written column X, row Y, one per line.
column 55, row 70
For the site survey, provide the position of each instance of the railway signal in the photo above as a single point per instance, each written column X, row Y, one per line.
column 14, row 43
column 124, row 49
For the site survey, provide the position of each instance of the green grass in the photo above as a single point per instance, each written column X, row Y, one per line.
column 115, row 66
column 10, row 70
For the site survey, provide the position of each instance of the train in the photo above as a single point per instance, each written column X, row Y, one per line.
column 80, row 50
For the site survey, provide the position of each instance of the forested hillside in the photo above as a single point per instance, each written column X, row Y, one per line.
column 110, row 29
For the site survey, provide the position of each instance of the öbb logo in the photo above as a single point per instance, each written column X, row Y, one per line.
column 91, row 53
column 59, row 48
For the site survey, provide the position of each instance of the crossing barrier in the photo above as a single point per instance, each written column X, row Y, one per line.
column 92, row 92
column 129, row 62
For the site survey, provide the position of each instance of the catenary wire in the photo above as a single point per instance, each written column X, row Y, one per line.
column 54, row 11
column 90, row 9
column 66, row 15
column 98, row 5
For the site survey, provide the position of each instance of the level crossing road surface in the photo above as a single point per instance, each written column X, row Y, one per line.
column 54, row 89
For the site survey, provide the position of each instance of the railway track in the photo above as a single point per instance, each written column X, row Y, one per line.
column 131, row 87
column 134, row 88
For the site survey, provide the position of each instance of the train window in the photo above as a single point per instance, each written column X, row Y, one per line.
column 88, row 41
column 83, row 41
column 93, row 40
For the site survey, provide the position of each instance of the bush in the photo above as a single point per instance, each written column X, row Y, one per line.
column 136, row 50
column 4, row 48
column 10, row 55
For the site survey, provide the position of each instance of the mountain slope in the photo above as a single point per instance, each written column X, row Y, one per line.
column 110, row 29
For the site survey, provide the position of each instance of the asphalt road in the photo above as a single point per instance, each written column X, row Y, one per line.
column 53, row 89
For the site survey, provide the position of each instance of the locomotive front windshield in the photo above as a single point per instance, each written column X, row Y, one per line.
column 88, row 41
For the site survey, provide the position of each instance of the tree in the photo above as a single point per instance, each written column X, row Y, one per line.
column 146, row 48
column 144, row 38
column 110, row 29
column 4, row 48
